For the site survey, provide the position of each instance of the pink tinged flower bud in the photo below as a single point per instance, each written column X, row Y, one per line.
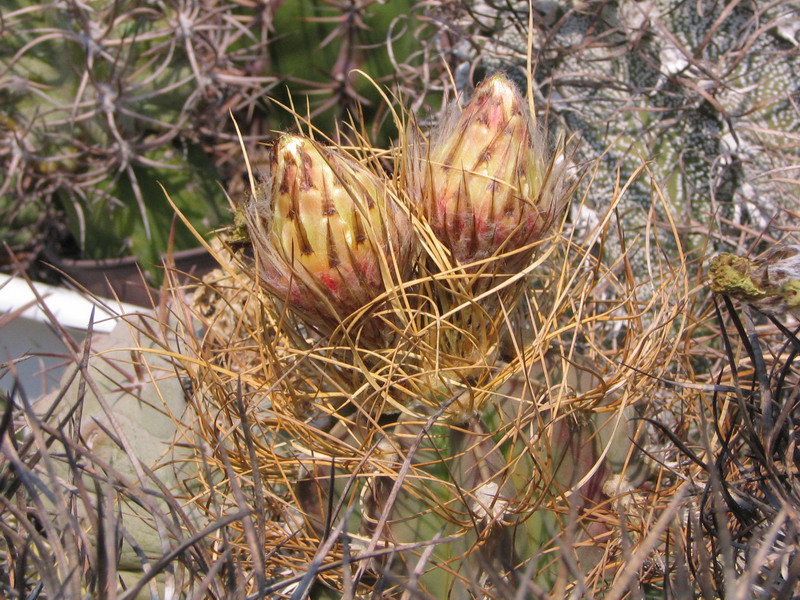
column 322, row 227
column 484, row 187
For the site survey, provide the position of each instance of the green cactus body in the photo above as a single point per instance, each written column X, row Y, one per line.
column 104, row 100
column 318, row 46
column 187, row 176
column 486, row 492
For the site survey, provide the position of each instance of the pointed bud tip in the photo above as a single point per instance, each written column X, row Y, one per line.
column 499, row 96
column 502, row 87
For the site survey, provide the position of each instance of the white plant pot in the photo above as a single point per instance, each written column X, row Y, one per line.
column 31, row 341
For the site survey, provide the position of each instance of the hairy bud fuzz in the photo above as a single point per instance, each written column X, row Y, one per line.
column 486, row 186
column 325, row 231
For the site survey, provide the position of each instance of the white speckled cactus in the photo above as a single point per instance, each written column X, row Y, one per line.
column 705, row 91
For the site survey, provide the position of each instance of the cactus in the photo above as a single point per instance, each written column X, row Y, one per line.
column 474, row 444
column 318, row 46
column 467, row 424
column 102, row 101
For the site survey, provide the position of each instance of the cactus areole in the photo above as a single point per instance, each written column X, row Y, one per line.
column 324, row 230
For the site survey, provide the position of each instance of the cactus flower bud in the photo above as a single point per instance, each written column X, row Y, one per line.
column 486, row 186
column 322, row 228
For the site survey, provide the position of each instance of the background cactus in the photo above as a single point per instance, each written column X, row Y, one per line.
column 103, row 101
column 705, row 92
column 320, row 43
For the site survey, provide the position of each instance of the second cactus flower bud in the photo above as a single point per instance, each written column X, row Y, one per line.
column 325, row 231
column 486, row 186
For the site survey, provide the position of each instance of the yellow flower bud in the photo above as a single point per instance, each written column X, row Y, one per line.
column 322, row 228
column 487, row 187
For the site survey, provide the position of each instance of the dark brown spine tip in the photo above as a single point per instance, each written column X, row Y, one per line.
column 359, row 233
column 333, row 256
column 286, row 180
column 305, row 248
column 326, row 205
column 306, row 181
column 302, row 234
